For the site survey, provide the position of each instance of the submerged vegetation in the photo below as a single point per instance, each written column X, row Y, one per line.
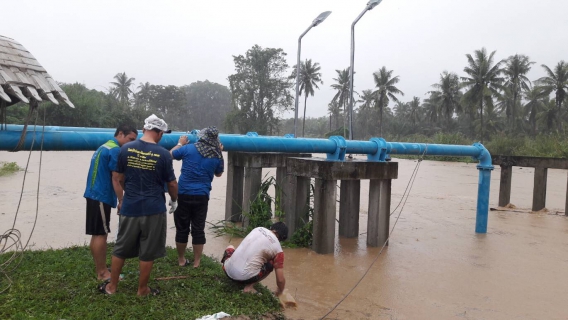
column 7, row 168
column 60, row 284
column 260, row 215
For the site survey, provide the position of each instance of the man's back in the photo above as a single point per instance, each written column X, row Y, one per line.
column 146, row 167
column 259, row 246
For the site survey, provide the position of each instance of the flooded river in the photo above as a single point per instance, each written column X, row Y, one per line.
column 435, row 267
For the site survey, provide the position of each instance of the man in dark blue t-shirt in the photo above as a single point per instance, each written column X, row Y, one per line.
column 143, row 168
column 200, row 162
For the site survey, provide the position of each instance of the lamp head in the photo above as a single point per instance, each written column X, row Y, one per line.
column 373, row 3
column 321, row 18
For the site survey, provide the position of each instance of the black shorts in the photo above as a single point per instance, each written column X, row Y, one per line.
column 190, row 217
column 98, row 218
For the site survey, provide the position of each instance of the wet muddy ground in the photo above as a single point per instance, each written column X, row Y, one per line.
column 435, row 267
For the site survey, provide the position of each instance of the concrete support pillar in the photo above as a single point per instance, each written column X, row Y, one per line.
column 505, row 185
column 280, row 204
column 539, row 191
column 324, row 216
column 253, row 179
column 378, row 222
column 302, row 202
column 349, row 200
column 566, row 207
column 234, row 192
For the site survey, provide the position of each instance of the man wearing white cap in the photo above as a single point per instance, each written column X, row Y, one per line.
column 143, row 169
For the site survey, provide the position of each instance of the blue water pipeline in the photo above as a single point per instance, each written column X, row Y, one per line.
column 376, row 149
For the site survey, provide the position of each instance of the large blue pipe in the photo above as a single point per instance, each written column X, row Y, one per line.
column 66, row 138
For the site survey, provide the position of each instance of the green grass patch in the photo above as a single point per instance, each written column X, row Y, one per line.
column 61, row 284
column 7, row 168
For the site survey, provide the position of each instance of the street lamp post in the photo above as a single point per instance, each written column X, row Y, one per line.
column 370, row 5
column 316, row 21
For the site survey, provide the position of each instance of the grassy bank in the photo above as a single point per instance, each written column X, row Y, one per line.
column 546, row 145
column 7, row 168
column 60, row 284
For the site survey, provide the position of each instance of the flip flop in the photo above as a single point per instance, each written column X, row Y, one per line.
column 102, row 288
column 153, row 292
column 187, row 263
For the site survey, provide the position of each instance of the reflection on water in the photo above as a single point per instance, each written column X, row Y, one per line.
column 435, row 267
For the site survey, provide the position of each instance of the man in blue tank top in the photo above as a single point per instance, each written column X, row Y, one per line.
column 100, row 195
column 143, row 169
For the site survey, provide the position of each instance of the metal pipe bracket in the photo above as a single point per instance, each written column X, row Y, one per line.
column 341, row 147
column 381, row 154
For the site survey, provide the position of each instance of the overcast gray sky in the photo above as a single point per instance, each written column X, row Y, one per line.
column 179, row 42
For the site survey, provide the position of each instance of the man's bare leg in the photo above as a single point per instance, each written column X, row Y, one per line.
column 116, row 268
column 145, row 270
column 180, row 247
column 197, row 252
column 98, row 251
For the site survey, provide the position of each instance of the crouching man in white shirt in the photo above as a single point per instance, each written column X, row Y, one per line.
column 256, row 257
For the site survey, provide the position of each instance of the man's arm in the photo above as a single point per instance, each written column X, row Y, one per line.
column 118, row 186
column 181, row 142
column 280, row 280
column 173, row 190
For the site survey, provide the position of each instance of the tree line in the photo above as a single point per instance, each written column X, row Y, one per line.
column 490, row 98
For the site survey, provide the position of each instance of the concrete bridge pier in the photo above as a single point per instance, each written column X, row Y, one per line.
column 326, row 173
column 349, row 203
column 244, row 178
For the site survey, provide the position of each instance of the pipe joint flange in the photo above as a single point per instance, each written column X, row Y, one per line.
column 484, row 157
column 252, row 134
column 194, row 131
column 340, row 148
column 381, row 154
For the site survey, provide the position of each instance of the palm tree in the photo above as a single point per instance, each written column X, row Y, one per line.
column 549, row 117
column 334, row 111
column 414, row 111
column 556, row 81
column 386, row 90
column 515, row 70
column 122, row 87
column 342, row 87
column 365, row 112
column 309, row 79
column 535, row 104
column 448, row 94
column 144, row 95
column 431, row 107
column 483, row 82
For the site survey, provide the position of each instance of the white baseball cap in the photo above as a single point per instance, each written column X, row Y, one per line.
column 153, row 122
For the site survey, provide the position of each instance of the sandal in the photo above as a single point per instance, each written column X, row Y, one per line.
column 102, row 288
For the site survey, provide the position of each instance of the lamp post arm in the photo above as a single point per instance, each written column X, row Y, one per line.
column 351, row 72
column 298, row 82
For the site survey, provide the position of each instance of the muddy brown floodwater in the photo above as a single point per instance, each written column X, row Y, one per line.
column 435, row 267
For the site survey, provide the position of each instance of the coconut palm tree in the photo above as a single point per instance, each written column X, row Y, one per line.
column 549, row 117
column 414, row 111
column 310, row 76
column 535, row 104
column 342, row 87
column 334, row 110
column 365, row 113
column 484, row 81
column 448, row 95
column 122, row 87
column 556, row 81
column 144, row 95
column 515, row 70
column 386, row 90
